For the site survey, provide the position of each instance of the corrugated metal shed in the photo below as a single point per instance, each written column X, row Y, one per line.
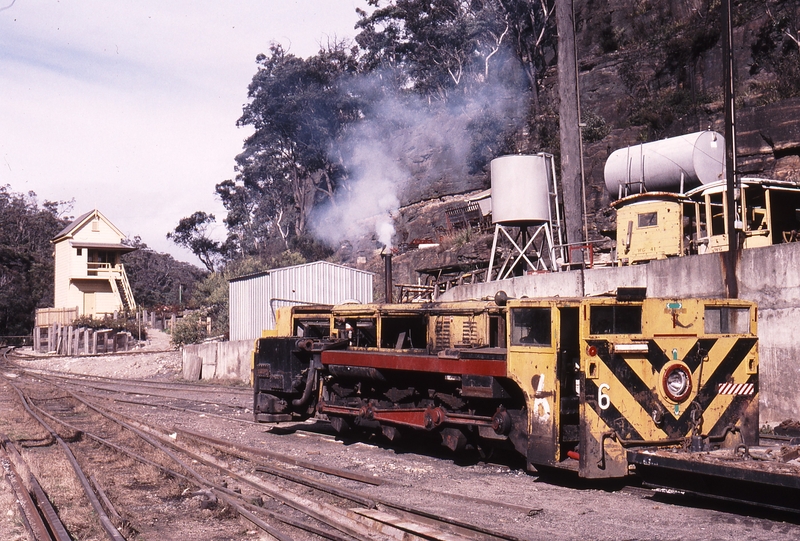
column 254, row 298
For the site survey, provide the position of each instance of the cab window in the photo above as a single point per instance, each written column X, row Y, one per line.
column 361, row 331
column 530, row 327
column 615, row 319
column 312, row 328
column 727, row 320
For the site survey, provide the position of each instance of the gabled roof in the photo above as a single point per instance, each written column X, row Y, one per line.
column 81, row 221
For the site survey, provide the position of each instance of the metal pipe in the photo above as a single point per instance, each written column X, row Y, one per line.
column 387, row 274
column 310, row 384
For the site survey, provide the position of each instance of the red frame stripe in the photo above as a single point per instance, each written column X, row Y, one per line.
column 415, row 363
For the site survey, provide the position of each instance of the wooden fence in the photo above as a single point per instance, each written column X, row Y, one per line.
column 45, row 317
column 69, row 340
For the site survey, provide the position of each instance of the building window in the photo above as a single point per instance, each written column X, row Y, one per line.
column 80, row 251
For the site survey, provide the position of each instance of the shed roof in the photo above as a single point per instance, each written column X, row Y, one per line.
column 286, row 269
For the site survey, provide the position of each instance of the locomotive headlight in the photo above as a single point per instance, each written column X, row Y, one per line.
column 677, row 382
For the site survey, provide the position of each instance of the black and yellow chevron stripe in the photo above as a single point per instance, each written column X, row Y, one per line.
column 637, row 409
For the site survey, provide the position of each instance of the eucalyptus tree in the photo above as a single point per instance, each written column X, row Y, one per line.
column 298, row 107
column 26, row 257
column 433, row 47
column 192, row 232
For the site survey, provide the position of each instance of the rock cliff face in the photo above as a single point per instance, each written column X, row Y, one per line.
column 649, row 69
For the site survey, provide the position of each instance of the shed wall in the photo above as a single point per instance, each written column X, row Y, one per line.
column 253, row 301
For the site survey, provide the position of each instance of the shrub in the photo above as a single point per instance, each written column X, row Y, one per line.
column 119, row 325
column 190, row 329
column 595, row 128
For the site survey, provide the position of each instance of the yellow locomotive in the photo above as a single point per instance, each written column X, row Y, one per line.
column 567, row 383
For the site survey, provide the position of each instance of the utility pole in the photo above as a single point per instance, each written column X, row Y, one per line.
column 729, row 96
column 731, row 174
column 569, row 128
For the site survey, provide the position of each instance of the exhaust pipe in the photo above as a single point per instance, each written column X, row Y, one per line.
column 387, row 274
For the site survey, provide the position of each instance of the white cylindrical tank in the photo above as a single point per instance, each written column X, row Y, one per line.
column 520, row 189
column 700, row 157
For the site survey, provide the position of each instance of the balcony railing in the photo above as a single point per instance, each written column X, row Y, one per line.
column 105, row 270
column 115, row 274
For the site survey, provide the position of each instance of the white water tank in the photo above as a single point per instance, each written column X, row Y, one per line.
column 700, row 157
column 520, row 189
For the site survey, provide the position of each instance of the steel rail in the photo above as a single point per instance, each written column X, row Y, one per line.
column 202, row 484
column 105, row 522
column 460, row 527
column 161, row 442
column 171, row 386
column 106, row 502
column 176, row 408
column 195, row 478
column 336, row 472
column 349, row 522
column 121, row 389
column 194, row 473
column 422, row 517
column 34, row 523
column 51, row 517
column 244, row 392
column 321, row 512
column 48, row 513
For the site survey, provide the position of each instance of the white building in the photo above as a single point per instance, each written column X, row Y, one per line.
column 88, row 272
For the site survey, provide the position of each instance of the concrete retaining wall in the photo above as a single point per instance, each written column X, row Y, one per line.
column 769, row 276
column 218, row 360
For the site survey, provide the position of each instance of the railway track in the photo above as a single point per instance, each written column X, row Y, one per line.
column 283, row 504
column 163, row 459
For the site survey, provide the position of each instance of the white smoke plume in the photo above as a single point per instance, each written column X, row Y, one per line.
column 398, row 151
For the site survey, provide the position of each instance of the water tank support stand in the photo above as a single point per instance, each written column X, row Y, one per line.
column 523, row 245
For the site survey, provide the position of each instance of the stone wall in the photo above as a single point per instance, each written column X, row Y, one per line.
column 769, row 276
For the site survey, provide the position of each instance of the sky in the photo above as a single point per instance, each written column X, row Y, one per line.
column 130, row 107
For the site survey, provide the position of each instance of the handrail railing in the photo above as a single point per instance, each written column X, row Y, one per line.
column 126, row 287
column 114, row 273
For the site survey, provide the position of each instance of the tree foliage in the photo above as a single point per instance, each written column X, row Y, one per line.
column 158, row 279
column 298, row 109
column 455, row 58
column 192, row 233
column 437, row 47
column 26, row 258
